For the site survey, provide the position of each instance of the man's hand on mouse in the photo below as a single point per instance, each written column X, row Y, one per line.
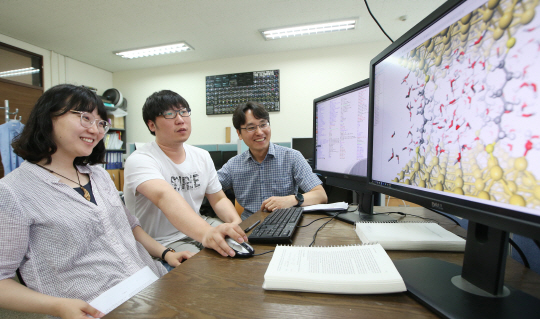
column 215, row 238
column 278, row 202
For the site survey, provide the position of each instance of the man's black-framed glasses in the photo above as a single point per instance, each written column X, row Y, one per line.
column 172, row 113
column 252, row 128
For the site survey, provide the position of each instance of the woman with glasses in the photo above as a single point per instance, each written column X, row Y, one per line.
column 62, row 223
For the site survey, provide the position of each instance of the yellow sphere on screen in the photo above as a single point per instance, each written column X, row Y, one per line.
column 527, row 16
column 408, row 181
column 416, row 167
column 477, row 174
column 459, row 182
column 395, row 180
column 422, row 183
column 458, row 172
column 489, row 148
column 511, row 42
column 441, row 178
column 528, row 181
column 483, row 195
column 498, row 33
column 401, row 175
column 506, row 19
column 492, row 4
column 439, row 187
column 496, row 173
column 459, row 191
column 479, row 184
column 521, row 164
column 517, row 200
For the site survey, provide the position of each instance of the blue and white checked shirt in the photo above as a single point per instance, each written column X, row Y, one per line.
column 281, row 173
column 8, row 131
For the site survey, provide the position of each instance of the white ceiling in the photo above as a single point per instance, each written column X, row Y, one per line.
column 90, row 31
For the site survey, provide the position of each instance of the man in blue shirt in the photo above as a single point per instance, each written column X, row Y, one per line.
column 267, row 176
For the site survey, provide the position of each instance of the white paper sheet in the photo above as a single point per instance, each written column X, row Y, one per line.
column 115, row 296
column 332, row 206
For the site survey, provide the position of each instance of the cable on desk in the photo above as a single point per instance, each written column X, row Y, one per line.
column 315, row 235
column 266, row 252
column 520, row 252
column 405, row 215
column 315, row 221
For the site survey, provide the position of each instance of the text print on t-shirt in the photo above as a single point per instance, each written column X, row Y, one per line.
column 185, row 183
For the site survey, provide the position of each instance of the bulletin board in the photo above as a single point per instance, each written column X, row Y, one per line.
column 225, row 92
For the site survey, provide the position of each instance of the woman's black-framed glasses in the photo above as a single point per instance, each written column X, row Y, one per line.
column 172, row 113
column 87, row 120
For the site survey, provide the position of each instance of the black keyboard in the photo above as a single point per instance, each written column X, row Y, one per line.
column 278, row 228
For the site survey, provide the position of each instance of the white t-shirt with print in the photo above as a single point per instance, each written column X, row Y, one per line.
column 192, row 179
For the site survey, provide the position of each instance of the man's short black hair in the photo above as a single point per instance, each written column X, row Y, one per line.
column 36, row 140
column 239, row 116
column 159, row 102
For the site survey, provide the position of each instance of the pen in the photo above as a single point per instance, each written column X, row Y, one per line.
column 252, row 226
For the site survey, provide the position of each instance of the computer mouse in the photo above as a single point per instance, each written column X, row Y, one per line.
column 242, row 250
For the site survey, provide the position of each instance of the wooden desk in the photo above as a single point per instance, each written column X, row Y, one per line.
column 209, row 285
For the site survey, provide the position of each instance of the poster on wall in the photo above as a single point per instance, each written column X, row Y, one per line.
column 225, row 92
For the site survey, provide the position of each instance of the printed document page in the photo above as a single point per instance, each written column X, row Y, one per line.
column 115, row 296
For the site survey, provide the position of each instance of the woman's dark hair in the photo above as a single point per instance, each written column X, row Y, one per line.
column 36, row 140
column 160, row 102
column 239, row 116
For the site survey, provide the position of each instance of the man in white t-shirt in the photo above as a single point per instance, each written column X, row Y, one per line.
column 166, row 181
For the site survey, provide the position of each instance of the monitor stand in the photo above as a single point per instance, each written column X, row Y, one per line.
column 475, row 290
column 364, row 212
column 352, row 217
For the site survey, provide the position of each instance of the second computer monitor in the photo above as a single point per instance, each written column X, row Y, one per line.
column 341, row 131
column 340, row 127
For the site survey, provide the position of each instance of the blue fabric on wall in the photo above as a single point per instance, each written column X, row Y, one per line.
column 8, row 131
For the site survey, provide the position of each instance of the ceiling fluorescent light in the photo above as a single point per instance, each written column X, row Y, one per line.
column 18, row 72
column 163, row 49
column 309, row 29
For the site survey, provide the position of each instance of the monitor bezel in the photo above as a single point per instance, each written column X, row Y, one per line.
column 351, row 182
column 497, row 217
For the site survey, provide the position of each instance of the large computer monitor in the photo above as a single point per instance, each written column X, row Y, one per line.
column 340, row 130
column 455, row 128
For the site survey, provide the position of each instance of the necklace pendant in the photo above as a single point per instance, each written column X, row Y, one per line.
column 86, row 194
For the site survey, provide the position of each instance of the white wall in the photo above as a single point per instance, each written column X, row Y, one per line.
column 79, row 73
column 304, row 75
column 59, row 69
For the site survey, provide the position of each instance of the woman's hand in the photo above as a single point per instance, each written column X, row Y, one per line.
column 175, row 259
column 76, row 309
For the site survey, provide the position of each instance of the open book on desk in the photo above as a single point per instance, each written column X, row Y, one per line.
column 409, row 236
column 340, row 270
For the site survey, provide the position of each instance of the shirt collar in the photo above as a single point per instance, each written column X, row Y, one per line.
column 47, row 176
column 271, row 151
